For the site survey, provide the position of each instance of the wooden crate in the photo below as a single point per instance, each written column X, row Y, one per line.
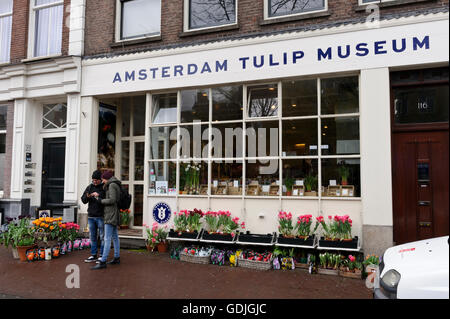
column 300, row 189
column 253, row 190
column 347, row 190
column 334, row 191
column 274, row 190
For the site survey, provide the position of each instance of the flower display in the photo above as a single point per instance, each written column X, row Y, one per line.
column 351, row 264
column 337, row 227
column 124, row 217
column 156, row 234
column 285, row 226
column 188, row 220
column 371, row 260
column 222, row 222
column 303, row 226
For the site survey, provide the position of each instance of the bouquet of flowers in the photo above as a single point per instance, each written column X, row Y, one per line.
column 181, row 221
column 156, row 234
column 124, row 217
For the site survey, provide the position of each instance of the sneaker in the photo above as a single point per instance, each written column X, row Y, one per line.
column 114, row 261
column 90, row 259
column 98, row 260
column 100, row 265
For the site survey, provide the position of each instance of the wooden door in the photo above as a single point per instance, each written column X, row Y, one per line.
column 420, row 148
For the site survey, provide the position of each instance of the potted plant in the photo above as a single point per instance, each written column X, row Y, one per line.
column 220, row 226
column 351, row 268
column 285, row 227
column 337, row 232
column 187, row 224
column 289, row 182
column 371, row 263
column 46, row 231
column 22, row 237
column 7, row 237
column 310, row 182
column 157, row 237
column 124, row 218
column 344, row 172
column 329, row 263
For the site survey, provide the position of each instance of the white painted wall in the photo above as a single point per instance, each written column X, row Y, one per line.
column 375, row 136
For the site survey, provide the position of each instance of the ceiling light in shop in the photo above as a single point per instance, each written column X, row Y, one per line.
column 300, row 145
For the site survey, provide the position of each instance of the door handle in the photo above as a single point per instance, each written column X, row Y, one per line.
column 424, row 203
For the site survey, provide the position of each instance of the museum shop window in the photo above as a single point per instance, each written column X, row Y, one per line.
column 295, row 137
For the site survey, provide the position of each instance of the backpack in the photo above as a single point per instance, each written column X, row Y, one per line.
column 124, row 198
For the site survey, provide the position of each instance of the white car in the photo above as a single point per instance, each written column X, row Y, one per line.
column 417, row 270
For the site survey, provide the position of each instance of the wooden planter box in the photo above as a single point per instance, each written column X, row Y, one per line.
column 324, row 271
column 353, row 244
column 183, row 235
column 349, row 274
column 228, row 238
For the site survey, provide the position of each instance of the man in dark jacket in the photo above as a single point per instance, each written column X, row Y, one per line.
column 112, row 187
column 95, row 213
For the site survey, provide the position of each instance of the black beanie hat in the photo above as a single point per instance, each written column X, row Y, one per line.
column 97, row 175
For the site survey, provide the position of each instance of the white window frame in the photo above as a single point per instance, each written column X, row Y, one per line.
column 32, row 28
column 361, row 3
column 5, row 15
column 268, row 17
column 186, row 19
column 3, row 132
column 118, row 25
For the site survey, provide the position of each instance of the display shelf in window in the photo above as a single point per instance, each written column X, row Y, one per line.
column 274, row 190
column 298, row 190
column 253, row 189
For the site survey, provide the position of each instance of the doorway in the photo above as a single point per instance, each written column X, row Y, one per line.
column 53, row 165
column 420, row 162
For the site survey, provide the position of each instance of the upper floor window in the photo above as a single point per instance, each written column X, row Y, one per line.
column 209, row 13
column 139, row 18
column 279, row 8
column 47, row 19
column 6, row 8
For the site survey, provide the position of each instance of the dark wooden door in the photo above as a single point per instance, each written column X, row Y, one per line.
column 420, row 185
column 420, row 154
column 53, row 164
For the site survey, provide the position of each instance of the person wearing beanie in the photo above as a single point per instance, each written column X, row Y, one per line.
column 112, row 187
column 95, row 213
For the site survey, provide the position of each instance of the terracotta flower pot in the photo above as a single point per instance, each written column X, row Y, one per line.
column 150, row 247
column 22, row 250
column 162, row 247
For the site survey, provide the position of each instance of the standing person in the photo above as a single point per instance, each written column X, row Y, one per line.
column 112, row 187
column 95, row 213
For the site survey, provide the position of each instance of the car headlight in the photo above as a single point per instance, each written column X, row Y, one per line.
column 390, row 280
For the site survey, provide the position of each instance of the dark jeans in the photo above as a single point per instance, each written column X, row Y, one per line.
column 96, row 229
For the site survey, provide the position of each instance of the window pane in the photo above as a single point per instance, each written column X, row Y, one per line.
column 5, row 38
column 209, row 13
column 340, row 135
column 262, row 139
column 194, row 178
column 286, row 7
column 163, row 142
column 421, row 104
column 48, row 31
column 300, row 177
column 163, row 179
column 6, row 6
column 227, row 103
column 262, row 100
column 141, row 18
column 344, row 173
column 126, row 117
column 300, row 98
column 139, row 161
column 300, row 137
column 139, row 115
column 106, row 137
column 194, row 105
column 2, row 143
column 3, row 116
column 54, row 116
column 262, row 178
column 125, row 161
column 226, row 178
column 194, row 141
column 2, row 159
column 40, row 2
column 340, row 95
column 164, row 108
column 226, row 141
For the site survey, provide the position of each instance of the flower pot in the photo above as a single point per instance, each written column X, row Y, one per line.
column 217, row 237
column 255, row 238
column 163, row 247
column 344, row 182
column 288, row 193
column 337, row 243
column 185, row 235
column 150, row 247
column 15, row 253
column 22, row 250
column 123, row 226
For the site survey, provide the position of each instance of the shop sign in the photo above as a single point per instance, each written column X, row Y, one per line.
column 161, row 213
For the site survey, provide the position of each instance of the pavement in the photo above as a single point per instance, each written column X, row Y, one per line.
column 145, row 275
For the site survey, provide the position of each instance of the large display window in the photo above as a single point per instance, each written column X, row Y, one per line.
column 294, row 138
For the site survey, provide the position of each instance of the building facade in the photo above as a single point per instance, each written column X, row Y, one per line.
column 253, row 107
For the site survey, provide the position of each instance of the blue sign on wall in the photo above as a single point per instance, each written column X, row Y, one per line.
column 161, row 213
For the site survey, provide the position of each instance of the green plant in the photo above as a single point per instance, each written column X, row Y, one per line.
column 289, row 182
column 303, row 226
column 352, row 264
column 156, row 234
column 344, row 172
column 310, row 182
column 330, row 261
column 19, row 233
column 125, row 217
column 285, row 226
column 371, row 260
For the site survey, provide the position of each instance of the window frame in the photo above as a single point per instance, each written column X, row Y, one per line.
column 267, row 16
column 186, row 19
column 5, row 15
column 119, row 24
column 281, row 158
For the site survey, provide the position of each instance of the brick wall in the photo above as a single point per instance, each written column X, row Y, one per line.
column 100, row 22
column 19, row 33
